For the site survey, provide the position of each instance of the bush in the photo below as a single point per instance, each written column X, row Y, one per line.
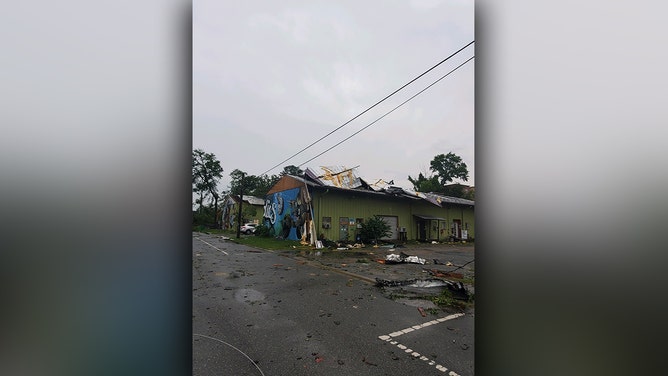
column 262, row 230
column 374, row 228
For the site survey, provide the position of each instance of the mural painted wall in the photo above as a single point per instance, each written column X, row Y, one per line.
column 287, row 214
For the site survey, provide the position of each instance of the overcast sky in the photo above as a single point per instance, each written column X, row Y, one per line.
column 270, row 78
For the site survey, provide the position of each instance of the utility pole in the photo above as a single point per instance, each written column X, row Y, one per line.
column 241, row 200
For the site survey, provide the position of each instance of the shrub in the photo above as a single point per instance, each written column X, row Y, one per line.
column 262, row 230
column 374, row 228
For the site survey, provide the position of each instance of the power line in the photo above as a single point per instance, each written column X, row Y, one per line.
column 365, row 111
column 389, row 112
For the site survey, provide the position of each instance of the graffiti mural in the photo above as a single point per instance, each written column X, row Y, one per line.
column 287, row 214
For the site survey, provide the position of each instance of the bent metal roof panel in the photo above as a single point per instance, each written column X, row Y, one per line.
column 345, row 178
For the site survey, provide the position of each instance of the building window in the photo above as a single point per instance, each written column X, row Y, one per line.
column 326, row 222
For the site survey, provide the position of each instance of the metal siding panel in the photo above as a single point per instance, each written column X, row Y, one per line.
column 336, row 204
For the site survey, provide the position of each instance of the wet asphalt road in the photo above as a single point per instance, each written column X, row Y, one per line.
column 258, row 313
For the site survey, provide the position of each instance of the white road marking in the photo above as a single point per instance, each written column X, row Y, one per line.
column 391, row 338
column 212, row 246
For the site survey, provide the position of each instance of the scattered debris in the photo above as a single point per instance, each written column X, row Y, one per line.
column 422, row 312
column 394, row 258
column 441, row 274
column 318, row 244
column 415, row 260
column 457, row 289
column 429, row 283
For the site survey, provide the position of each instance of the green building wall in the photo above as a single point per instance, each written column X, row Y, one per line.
column 336, row 204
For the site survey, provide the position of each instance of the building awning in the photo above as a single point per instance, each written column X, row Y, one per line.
column 427, row 217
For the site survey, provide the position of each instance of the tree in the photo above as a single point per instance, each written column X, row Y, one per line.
column 448, row 167
column 445, row 168
column 375, row 228
column 206, row 174
column 263, row 184
column 237, row 176
column 253, row 185
column 292, row 170
column 423, row 184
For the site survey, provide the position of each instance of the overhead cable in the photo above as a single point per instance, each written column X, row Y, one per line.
column 365, row 111
column 389, row 112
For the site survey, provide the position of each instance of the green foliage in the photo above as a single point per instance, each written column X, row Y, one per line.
column 374, row 228
column 252, row 185
column 459, row 190
column 248, row 213
column 448, row 167
column 206, row 172
column 445, row 168
column 423, row 184
column 444, row 299
column 292, row 170
column 262, row 231
column 203, row 217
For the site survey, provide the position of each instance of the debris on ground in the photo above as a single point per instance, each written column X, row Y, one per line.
column 441, row 274
column 457, row 289
column 422, row 312
column 394, row 258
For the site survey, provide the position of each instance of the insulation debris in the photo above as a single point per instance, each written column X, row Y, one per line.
column 394, row 258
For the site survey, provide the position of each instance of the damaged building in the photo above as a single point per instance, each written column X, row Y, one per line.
column 334, row 202
column 229, row 210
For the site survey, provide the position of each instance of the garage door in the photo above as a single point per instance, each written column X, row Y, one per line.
column 393, row 222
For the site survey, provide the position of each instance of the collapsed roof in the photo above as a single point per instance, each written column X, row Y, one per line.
column 341, row 177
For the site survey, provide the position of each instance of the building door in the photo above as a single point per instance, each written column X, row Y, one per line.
column 457, row 228
column 393, row 222
column 343, row 228
column 422, row 230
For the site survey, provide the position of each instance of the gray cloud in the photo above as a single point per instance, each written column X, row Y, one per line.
column 270, row 80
